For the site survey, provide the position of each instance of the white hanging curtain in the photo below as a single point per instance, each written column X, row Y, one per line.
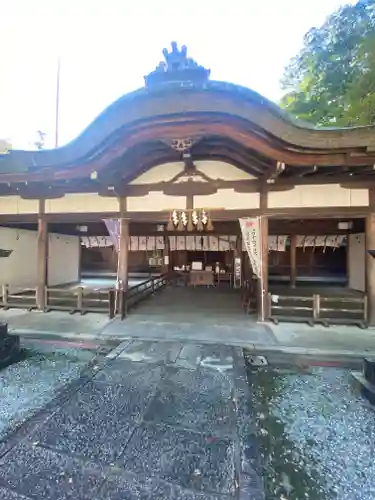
column 332, row 241
column 113, row 228
column 96, row 241
column 277, row 243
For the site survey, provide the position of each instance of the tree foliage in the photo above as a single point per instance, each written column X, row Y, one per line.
column 40, row 140
column 331, row 82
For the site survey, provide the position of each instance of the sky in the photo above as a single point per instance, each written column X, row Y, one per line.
column 107, row 46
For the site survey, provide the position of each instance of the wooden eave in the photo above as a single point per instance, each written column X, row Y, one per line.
column 225, row 121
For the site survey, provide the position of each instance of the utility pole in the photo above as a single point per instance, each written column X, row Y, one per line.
column 57, row 103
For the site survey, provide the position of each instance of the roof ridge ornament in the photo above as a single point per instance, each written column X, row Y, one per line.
column 177, row 69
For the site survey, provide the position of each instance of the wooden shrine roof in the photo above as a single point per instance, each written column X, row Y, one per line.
column 218, row 120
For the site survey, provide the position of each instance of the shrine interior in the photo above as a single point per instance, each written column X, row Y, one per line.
column 316, row 262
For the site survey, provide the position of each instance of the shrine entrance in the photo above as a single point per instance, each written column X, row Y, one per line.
column 177, row 164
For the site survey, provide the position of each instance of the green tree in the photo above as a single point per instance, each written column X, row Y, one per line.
column 40, row 140
column 332, row 79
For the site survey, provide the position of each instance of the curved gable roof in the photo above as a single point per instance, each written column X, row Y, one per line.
column 176, row 94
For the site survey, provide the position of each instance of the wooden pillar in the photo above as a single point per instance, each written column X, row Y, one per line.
column 166, row 258
column 123, row 249
column 263, row 281
column 189, row 202
column 42, row 256
column 370, row 267
column 293, row 260
column 348, row 260
column 237, row 263
column 122, row 274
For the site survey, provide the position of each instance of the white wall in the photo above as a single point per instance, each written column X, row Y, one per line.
column 328, row 195
column 356, row 263
column 228, row 199
column 63, row 259
column 82, row 203
column 20, row 269
column 213, row 169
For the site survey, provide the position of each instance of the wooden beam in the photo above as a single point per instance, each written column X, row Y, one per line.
column 360, row 184
column 293, row 260
column 263, row 281
column 263, row 199
column 123, row 254
column 189, row 202
column 302, row 226
column 370, row 267
column 122, row 188
column 369, row 260
column 166, row 257
column 123, row 250
column 216, row 214
column 314, row 180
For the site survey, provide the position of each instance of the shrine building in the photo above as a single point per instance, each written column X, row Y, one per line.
column 160, row 180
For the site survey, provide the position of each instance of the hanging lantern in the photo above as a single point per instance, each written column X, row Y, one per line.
column 190, row 225
column 170, row 225
column 195, row 218
column 209, row 225
column 204, row 217
column 180, row 222
column 190, row 220
column 184, row 218
column 175, row 218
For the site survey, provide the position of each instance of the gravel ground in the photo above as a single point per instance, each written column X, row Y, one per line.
column 317, row 435
column 28, row 385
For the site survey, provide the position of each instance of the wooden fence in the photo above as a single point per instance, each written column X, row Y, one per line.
column 25, row 299
column 84, row 299
column 318, row 309
column 249, row 296
column 130, row 298
column 81, row 300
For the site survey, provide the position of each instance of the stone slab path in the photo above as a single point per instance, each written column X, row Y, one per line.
column 152, row 420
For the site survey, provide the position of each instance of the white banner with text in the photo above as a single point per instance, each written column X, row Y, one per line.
column 251, row 236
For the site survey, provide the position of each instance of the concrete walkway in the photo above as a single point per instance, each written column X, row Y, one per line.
column 55, row 322
column 193, row 315
column 151, row 421
column 293, row 336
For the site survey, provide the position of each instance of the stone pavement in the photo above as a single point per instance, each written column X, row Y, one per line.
column 150, row 421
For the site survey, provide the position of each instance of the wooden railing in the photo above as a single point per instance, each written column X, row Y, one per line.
column 25, row 299
column 318, row 309
column 84, row 299
column 81, row 300
column 351, row 310
column 130, row 298
column 249, row 296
